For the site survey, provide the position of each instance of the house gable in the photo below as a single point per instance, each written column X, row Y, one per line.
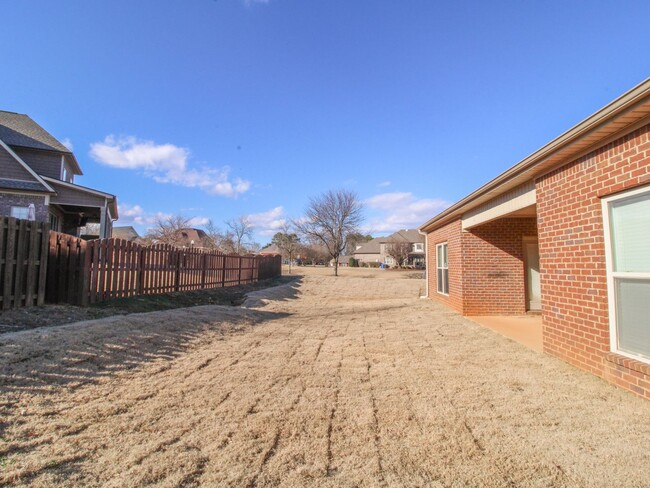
column 17, row 175
column 20, row 132
column 12, row 169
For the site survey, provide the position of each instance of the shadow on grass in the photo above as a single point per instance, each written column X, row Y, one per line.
column 42, row 361
column 53, row 315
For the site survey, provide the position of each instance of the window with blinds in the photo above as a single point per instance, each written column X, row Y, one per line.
column 627, row 236
column 442, row 277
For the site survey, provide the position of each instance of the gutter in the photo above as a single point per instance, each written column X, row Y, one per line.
column 426, row 263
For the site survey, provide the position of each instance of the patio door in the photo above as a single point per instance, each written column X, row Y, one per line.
column 531, row 263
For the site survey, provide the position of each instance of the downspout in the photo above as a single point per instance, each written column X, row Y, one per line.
column 426, row 263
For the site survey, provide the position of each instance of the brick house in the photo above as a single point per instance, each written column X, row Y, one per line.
column 566, row 232
column 376, row 250
column 37, row 180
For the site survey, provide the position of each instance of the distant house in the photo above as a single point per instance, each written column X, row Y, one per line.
column 128, row 233
column 377, row 250
column 37, row 181
column 564, row 232
column 192, row 238
column 370, row 252
column 271, row 250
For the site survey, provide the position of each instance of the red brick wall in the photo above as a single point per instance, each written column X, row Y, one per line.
column 451, row 234
column 572, row 257
column 486, row 269
column 493, row 267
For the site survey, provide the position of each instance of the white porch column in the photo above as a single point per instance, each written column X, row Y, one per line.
column 102, row 224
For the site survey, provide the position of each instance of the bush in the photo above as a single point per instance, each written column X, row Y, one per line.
column 353, row 263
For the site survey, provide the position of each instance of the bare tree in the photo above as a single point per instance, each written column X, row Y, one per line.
column 212, row 235
column 329, row 219
column 241, row 233
column 168, row 230
column 399, row 250
column 287, row 241
column 216, row 239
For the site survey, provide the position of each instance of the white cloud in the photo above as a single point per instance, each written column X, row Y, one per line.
column 68, row 144
column 401, row 210
column 136, row 215
column 269, row 222
column 166, row 163
column 198, row 221
column 384, row 184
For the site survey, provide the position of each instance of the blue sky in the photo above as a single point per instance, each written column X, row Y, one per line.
column 222, row 108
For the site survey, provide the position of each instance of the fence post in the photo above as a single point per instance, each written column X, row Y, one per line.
column 139, row 282
column 204, row 265
column 43, row 263
column 241, row 263
column 9, row 262
column 85, row 275
column 178, row 270
column 20, row 259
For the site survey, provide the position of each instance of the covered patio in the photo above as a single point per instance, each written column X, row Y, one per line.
column 74, row 207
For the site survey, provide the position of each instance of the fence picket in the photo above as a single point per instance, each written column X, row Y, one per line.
column 22, row 268
column 37, row 265
column 9, row 263
column 31, row 270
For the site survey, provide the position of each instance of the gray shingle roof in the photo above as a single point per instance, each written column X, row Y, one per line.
column 125, row 232
column 371, row 247
column 272, row 249
column 20, row 130
column 408, row 235
column 22, row 185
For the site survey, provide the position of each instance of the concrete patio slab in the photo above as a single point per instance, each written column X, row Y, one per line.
column 525, row 329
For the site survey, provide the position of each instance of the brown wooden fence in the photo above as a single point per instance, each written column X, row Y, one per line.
column 23, row 262
column 82, row 272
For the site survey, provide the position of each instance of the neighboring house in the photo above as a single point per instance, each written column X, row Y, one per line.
column 128, row 233
column 415, row 240
column 370, row 252
column 377, row 250
column 193, row 238
column 565, row 232
column 271, row 250
column 37, row 181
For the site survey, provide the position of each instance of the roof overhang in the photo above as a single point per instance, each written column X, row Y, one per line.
column 111, row 200
column 626, row 113
column 72, row 161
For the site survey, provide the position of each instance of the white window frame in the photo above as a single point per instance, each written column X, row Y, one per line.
column 612, row 275
column 54, row 222
column 418, row 247
column 439, row 248
column 21, row 208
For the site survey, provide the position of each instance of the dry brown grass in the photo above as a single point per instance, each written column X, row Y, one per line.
column 352, row 381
